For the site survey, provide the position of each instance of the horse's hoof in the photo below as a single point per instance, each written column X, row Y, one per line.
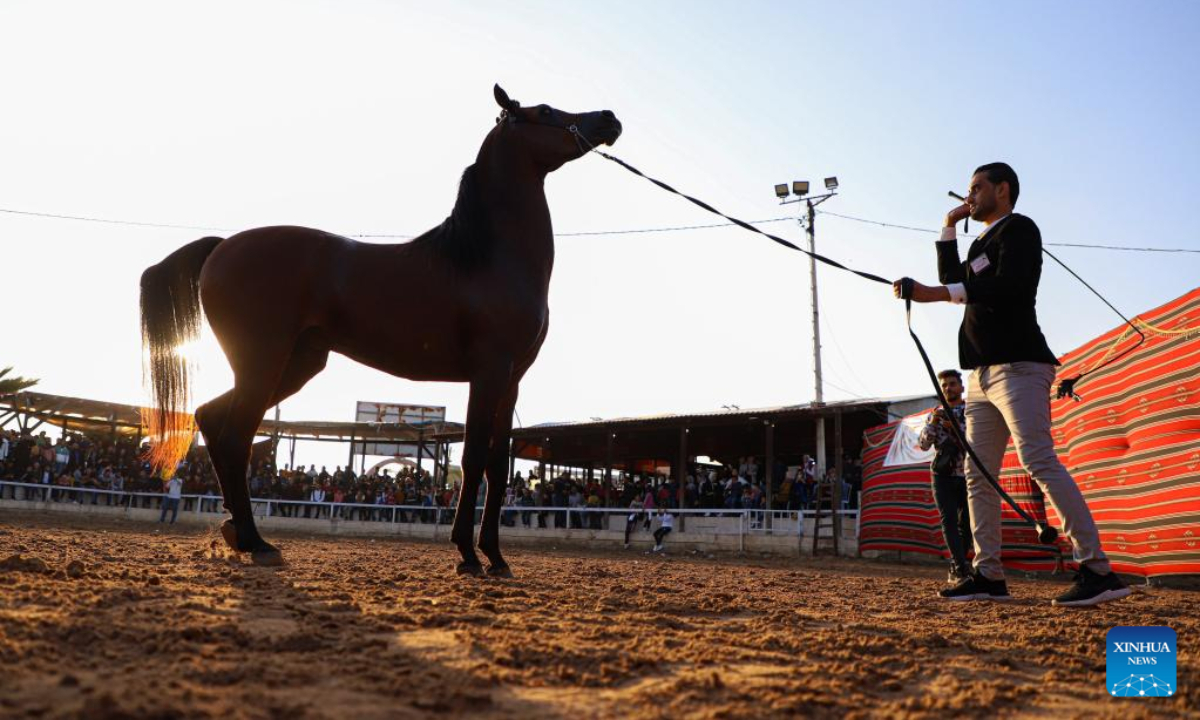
column 466, row 568
column 268, row 556
column 500, row 571
column 229, row 534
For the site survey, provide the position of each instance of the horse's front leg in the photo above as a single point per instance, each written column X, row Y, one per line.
column 487, row 389
column 497, row 485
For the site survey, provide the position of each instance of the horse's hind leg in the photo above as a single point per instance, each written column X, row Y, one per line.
column 308, row 358
column 223, row 422
column 229, row 423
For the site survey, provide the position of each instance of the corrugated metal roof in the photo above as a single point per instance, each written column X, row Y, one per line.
column 82, row 413
column 732, row 414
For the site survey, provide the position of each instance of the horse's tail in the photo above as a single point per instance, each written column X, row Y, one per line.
column 171, row 314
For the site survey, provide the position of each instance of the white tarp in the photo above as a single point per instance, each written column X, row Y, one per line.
column 904, row 449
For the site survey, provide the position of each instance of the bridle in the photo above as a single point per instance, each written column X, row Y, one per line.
column 576, row 133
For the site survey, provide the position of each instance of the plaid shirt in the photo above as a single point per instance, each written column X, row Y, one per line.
column 937, row 435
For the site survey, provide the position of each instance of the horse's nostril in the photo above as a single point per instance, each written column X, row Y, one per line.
column 607, row 114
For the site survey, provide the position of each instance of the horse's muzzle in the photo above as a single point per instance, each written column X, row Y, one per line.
column 606, row 128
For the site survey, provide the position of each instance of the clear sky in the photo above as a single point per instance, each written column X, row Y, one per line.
column 358, row 117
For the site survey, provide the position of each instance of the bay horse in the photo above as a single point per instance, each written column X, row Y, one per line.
column 280, row 299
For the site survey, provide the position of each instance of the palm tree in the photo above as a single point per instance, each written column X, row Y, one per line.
column 15, row 384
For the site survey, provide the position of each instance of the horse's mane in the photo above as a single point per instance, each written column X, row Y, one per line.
column 464, row 238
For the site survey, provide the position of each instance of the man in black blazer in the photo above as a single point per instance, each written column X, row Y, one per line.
column 1013, row 369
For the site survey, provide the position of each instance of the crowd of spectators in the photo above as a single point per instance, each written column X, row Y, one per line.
column 409, row 487
column 707, row 487
column 74, row 461
column 116, row 464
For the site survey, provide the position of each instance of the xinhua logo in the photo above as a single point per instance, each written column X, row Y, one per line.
column 1141, row 661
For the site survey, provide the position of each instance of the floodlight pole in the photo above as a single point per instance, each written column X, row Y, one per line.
column 816, row 318
column 816, row 324
column 810, row 223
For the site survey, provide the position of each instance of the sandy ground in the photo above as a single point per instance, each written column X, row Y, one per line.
column 104, row 618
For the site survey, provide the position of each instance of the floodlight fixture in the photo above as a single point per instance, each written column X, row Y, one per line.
column 781, row 191
column 800, row 187
column 831, row 184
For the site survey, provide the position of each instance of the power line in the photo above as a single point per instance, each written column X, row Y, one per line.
column 887, row 414
column 671, row 229
column 591, row 233
column 135, row 223
column 851, row 393
column 633, row 231
column 838, row 346
column 1125, row 248
column 173, row 226
column 881, row 224
column 630, row 231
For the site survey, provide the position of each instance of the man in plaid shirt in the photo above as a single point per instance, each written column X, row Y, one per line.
column 949, row 481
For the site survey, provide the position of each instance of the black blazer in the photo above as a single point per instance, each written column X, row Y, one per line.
column 1000, row 323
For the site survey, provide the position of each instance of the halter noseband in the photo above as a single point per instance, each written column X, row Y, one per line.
column 580, row 140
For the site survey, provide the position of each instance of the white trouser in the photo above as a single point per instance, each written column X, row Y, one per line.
column 1014, row 398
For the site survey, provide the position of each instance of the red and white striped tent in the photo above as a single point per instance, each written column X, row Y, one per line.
column 1133, row 445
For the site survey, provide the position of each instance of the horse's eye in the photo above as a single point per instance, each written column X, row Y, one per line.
column 545, row 110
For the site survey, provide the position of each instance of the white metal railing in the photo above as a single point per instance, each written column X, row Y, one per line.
column 707, row 520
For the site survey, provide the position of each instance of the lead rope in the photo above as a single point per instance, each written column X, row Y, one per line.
column 1066, row 388
column 1046, row 533
column 740, row 223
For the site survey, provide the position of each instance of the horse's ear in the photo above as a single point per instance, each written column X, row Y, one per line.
column 501, row 97
column 503, row 100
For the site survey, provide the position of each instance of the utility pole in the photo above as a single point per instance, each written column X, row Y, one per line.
column 816, row 318
column 819, row 395
column 809, row 222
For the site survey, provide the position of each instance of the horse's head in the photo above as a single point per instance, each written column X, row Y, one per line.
column 551, row 137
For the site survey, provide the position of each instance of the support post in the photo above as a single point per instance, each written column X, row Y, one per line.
column 437, row 463
column 512, row 458
column 839, row 469
column 769, row 470
column 274, row 441
column 608, row 453
column 681, row 472
column 819, row 456
column 420, row 449
column 18, row 406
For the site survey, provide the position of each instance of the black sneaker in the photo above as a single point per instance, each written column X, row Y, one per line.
column 977, row 587
column 1092, row 588
column 958, row 573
